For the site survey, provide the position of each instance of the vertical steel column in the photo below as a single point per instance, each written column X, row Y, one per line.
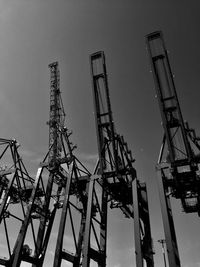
column 168, row 223
column 143, row 240
column 137, row 227
column 103, row 227
column 43, row 219
column 147, row 246
column 77, row 260
column 86, row 244
column 59, row 244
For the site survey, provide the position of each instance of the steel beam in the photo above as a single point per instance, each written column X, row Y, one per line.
column 59, row 244
column 103, row 227
column 86, row 241
column 137, row 232
column 168, row 223
column 17, row 252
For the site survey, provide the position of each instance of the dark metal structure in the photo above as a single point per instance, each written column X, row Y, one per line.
column 15, row 191
column 64, row 191
column 56, row 175
column 73, row 215
column 114, row 181
column 178, row 171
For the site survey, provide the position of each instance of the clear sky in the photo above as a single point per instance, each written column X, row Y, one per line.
column 34, row 33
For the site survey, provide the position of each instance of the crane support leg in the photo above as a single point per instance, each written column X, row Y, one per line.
column 17, row 252
column 86, row 241
column 103, row 230
column 59, row 244
column 138, row 245
column 168, row 223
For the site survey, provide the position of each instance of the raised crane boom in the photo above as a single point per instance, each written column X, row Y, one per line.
column 178, row 170
column 115, row 180
column 182, row 145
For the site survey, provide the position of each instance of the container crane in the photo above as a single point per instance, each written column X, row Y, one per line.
column 115, row 181
column 178, row 163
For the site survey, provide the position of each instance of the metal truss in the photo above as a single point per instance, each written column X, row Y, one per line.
column 56, row 187
column 64, row 184
column 177, row 168
column 15, row 191
column 72, row 221
column 114, row 181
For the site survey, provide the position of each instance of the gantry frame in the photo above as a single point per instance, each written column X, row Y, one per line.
column 177, row 168
column 62, row 179
column 115, row 180
column 55, row 185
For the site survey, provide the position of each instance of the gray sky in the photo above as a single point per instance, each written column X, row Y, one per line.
column 34, row 33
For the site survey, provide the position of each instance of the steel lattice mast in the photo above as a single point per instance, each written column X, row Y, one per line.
column 56, row 175
column 114, row 181
column 178, row 170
